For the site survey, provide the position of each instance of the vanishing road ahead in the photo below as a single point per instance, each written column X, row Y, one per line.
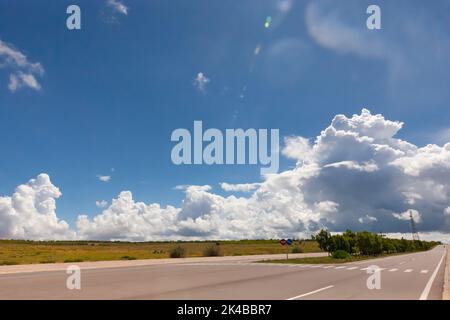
column 409, row 276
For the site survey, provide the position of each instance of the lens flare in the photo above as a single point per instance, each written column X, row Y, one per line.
column 268, row 21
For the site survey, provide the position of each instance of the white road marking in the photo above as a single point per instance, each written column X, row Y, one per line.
column 352, row 268
column 393, row 270
column 310, row 293
column 424, row 271
column 328, row 267
column 379, row 269
column 341, row 267
column 426, row 291
column 408, row 270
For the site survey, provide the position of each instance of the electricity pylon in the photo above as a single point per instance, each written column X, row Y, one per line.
column 415, row 234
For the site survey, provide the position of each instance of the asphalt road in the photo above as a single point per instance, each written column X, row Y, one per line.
column 409, row 276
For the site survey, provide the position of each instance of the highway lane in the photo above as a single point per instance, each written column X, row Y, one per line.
column 409, row 276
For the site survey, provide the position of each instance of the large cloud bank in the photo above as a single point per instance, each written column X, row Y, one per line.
column 356, row 174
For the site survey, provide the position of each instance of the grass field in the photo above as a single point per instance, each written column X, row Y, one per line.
column 28, row 252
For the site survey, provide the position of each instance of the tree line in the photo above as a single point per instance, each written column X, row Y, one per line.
column 368, row 243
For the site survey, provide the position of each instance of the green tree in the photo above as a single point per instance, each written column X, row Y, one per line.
column 323, row 238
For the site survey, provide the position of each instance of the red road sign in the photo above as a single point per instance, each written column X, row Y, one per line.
column 282, row 242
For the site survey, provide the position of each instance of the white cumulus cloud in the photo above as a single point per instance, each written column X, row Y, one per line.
column 356, row 177
column 30, row 213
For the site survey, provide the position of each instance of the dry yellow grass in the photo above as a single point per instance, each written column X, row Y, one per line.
column 28, row 252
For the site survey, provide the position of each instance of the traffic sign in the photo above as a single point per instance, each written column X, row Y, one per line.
column 282, row 242
column 289, row 242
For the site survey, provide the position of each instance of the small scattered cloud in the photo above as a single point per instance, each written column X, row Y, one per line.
column 201, row 81
column 367, row 219
column 101, row 203
column 23, row 72
column 242, row 187
column 412, row 197
column 285, row 6
column 118, row 7
column 447, row 211
column 104, row 178
column 407, row 215
column 188, row 187
column 20, row 79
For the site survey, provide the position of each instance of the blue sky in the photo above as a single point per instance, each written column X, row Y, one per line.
column 112, row 92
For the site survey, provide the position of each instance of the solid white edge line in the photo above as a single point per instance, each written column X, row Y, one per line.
column 426, row 291
column 310, row 293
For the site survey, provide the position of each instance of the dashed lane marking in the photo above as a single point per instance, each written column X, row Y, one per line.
column 408, row 270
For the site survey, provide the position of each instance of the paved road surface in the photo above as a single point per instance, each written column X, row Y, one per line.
column 410, row 276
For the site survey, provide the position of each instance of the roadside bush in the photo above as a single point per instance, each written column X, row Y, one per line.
column 367, row 243
column 128, row 258
column 178, row 252
column 70, row 260
column 340, row 254
column 323, row 238
column 48, row 261
column 297, row 249
column 212, row 251
column 8, row 263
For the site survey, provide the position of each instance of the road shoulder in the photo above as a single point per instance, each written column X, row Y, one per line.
column 446, row 292
column 25, row 268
